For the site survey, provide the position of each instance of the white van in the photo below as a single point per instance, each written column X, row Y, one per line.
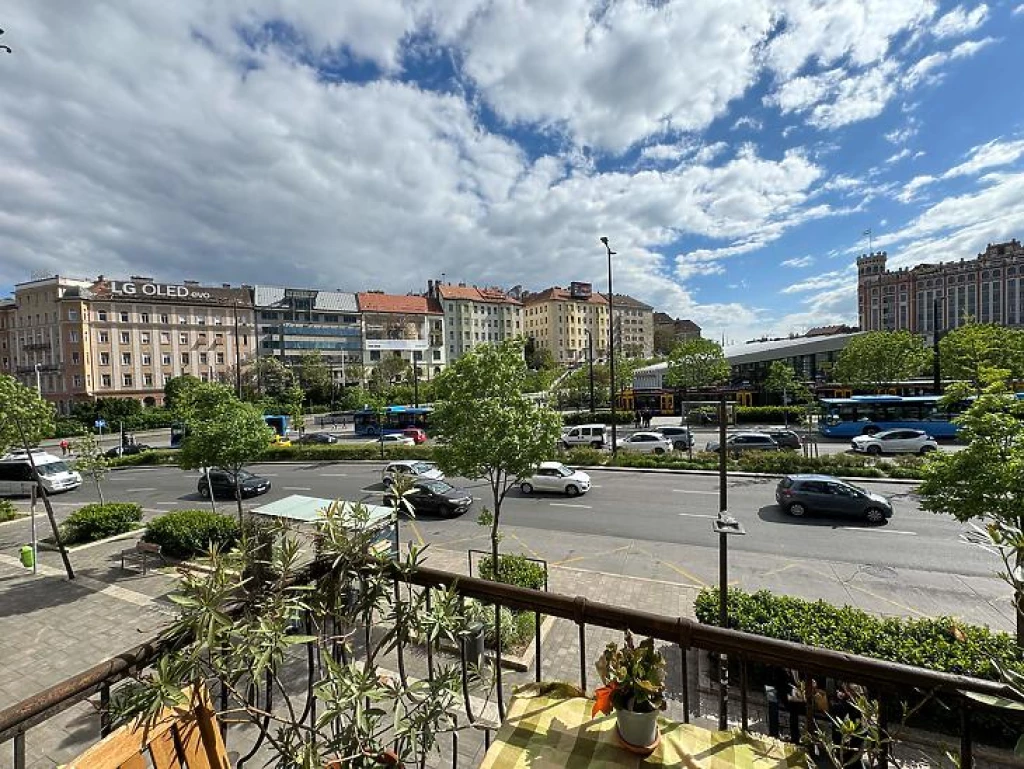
column 16, row 473
column 583, row 435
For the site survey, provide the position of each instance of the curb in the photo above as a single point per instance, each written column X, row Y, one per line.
column 52, row 547
column 738, row 474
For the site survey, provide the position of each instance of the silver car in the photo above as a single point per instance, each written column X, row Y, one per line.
column 737, row 443
column 647, row 443
column 554, row 476
column 411, row 468
column 895, row 442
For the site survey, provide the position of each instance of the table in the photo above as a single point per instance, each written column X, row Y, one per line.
column 549, row 725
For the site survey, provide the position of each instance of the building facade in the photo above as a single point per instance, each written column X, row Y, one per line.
column 475, row 316
column 408, row 327
column 669, row 331
column 294, row 321
column 564, row 320
column 78, row 340
column 632, row 327
column 987, row 289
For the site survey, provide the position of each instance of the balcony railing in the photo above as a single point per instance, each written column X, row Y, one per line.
column 887, row 683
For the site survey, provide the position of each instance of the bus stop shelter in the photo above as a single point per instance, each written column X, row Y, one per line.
column 300, row 509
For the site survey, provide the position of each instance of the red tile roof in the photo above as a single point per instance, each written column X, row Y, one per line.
column 492, row 295
column 395, row 303
column 562, row 295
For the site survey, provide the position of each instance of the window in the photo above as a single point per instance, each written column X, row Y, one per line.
column 437, row 355
column 126, row 338
column 105, row 380
column 374, row 354
column 72, row 314
column 126, row 380
column 147, row 380
column 144, row 317
column 124, row 317
column 126, row 359
column 184, row 359
column 165, row 338
column 76, row 358
column 144, row 338
column 165, row 359
column 218, row 321
column 76, row 380
column 220, row 358
column 72, row 336
column 165, row 318
column 201, row 320
column 202, row 358
column 146, row 359
column 101, row 315
column 104, row 358
column 104, row 337
column 183, row 338
column 183, row 320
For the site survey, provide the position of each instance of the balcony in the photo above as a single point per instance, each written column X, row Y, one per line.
column 691, row 649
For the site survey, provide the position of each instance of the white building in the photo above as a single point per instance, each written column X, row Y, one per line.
column 475, row 315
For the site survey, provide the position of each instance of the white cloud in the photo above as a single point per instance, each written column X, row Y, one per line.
column 989, row 155
column 826, row 280
column 902, row 135
column 1018, row 10
column 748, row 122
column 797, row 262
column 898, row 156
column 924, row 69
column 960, row 21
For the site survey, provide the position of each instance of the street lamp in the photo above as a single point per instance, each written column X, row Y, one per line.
column 6, row 48
column 590, row 363
column 611, row 345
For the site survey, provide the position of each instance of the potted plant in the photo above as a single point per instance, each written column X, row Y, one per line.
column 634, row 687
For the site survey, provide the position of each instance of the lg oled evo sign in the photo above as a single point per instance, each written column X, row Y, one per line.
column 157, row 291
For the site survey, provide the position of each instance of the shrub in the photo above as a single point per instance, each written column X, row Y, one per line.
column 96, row 521
column 515, row 570
column 7, row 510
column 584, row 455
column 155, row 457
column 67, row 427
column 772, row 415
column 185, row 533
column 597, row 418
column 342, row 451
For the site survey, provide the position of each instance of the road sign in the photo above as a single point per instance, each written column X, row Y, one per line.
column 100, row 423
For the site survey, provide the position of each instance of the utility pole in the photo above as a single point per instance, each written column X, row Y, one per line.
column 590, row 356
column 611, row 347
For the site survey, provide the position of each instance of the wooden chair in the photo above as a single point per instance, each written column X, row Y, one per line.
column 181, row 737
column 142, row 552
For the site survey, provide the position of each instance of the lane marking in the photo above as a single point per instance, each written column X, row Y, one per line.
column 594, row 555
column 692, row 491
column 697, row 515
column 334, row 475
column 296, row 488
column 145, row 488
column 878, row 531
column 569, row 504
column 269, row 475
column 677, row 569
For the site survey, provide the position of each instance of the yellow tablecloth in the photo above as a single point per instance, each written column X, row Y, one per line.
column 549, row 725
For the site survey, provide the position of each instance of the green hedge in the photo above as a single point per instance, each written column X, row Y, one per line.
column 154, row 457
column 773, row 415
column 68, row 427
column 343, row 451
column 514, row 570
column 7, row 510
column 185, row 533
column 96, row 521
column 517, row 627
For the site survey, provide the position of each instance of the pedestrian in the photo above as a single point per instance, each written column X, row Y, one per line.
column 647, row 419
column 63, row 447
column 636, row 419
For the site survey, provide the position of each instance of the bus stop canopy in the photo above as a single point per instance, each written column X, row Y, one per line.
column 302, row 509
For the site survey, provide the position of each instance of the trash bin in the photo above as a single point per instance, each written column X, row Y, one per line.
column 473, row 643
column 28, row 557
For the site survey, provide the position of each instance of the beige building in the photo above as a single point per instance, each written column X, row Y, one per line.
column 475, row 315
column 408, row 327
column 988, row 289
column 633, row 327
column 560, row 320
column 79, row 340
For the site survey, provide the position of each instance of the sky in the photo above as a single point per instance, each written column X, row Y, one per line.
column 734, row 152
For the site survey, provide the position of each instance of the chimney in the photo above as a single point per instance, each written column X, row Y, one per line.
column 225, row 285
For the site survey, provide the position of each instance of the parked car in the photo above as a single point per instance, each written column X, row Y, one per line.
column 799, row 495
column 432, row 496
column 223, row 482
column 737, row 443
column 418, row 434
column 16, row 476
column 315, row 439
column 126, row 451
column 554, row 476
column 681, row 437
column 413, row 468
column 895, row 442
column 786, row 438
column 647, row 443
column 584, row 435
column 394, row 439
column 280, row 440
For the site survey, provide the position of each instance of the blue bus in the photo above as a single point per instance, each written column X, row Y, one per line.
column 178, row 433
column 396, row 418
column 870, row 414
column 279, row 422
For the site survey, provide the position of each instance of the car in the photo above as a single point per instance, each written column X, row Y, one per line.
column 418, row 434
column 681, row 437
column 799, row 495
column 895, row 442
column 315, row 438
column 786, row 438
column 647, row 443
column 554, row 476
column 223, row 482
column 583, row 435
column 394, row 439
column 412, row 468
column 434, row 496
column 280, row 440
column 737, row 443
column 126, row 451
column 17, row 477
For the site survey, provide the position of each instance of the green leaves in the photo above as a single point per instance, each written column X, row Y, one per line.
column 696, row 363
column 22, row 405
column 968, row 352
column 881, row 357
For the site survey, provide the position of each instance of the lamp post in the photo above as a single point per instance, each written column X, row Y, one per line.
column 611, row 346
column 725, row 526
column 590, row 363
column 39, row 381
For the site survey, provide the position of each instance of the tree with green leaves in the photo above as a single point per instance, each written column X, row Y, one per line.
column 966, row 352
column 486, row 428
column 879, row 358
column 984, row 482
column 695, row 364
column 782, row 379
column 22, row 405
column 539, row 358
column 90, row 462
column 386, row 373
column 176, row 387
column 223, row 433
column 314, row 377
column 273, row 378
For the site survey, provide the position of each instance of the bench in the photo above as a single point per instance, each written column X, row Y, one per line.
column 143, row 551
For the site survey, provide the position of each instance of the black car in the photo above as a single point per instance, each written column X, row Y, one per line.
column 223, row 483
column 315, row 438
column 787, row 439
column 435, row 497
column 127, row 451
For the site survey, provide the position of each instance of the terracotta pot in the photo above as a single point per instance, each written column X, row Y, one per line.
column 639, row 730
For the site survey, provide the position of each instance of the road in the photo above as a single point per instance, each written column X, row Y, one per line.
column 658, row 526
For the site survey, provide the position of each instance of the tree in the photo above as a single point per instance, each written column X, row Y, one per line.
column 384, row 374
column 985, row 481
column 20, row 405
column 225, row 433
column 90, row 461
column 540, row 358
column 782, row 379
column 273, row 378
column 177, row 390
column 879, row 358
column 314, row 377
column 966, row 352
column 697, row 363
column 486, row 428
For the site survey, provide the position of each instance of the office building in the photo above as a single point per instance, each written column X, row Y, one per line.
column 475, row 315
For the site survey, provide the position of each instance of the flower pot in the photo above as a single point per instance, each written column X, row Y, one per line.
column 637, row 730
column 473, row 641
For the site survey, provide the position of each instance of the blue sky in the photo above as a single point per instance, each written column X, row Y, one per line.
column 733, row 151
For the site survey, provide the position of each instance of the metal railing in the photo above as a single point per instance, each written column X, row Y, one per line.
column 887, row 682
